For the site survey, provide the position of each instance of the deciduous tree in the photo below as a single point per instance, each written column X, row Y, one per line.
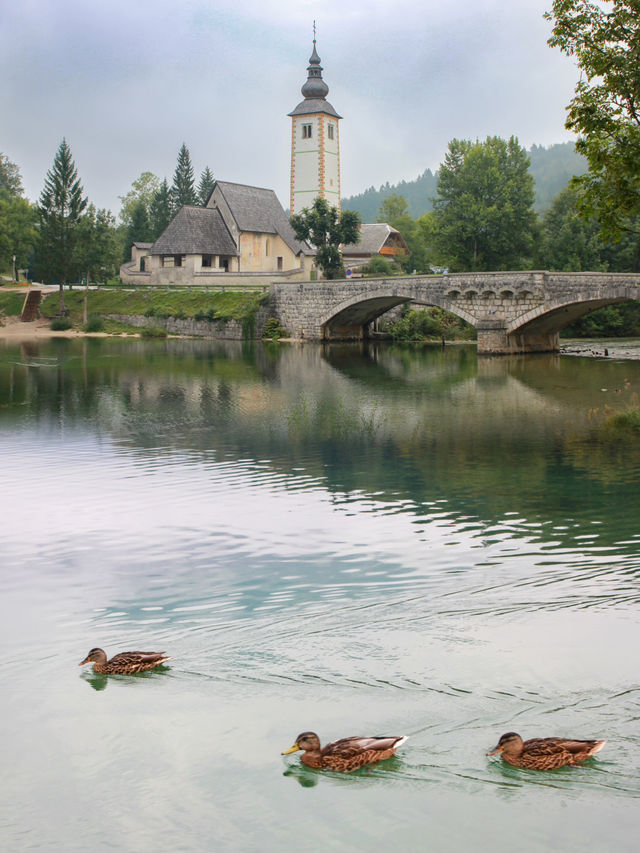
column 18, row 233
column 326, row 230
column 62, row 203
column 483, row 217
column 604, row 37
column 143, row 191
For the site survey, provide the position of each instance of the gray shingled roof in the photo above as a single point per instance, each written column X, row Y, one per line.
column 373, row 236
column 314, row 105
column 194, row 231
column 256, row 209
column 139, row 245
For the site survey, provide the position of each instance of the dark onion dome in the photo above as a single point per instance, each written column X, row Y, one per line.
column 315, row 90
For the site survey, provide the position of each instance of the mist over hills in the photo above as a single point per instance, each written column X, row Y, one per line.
column 551, row 168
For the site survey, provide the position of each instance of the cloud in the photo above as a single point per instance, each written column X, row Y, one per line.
column 126, row 83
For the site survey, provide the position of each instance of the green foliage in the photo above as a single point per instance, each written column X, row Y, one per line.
column 429, row 324
column 205, row 186
column 614, row 321
column 567, row 242
column 326, row 229
column 95, row 323
column 160, row 210
column 153, row 332
column 379, row 266
column 159, row 303
column 18, row 231
column 11, row 303
column 273, row 329
column 182, row 190
column 60, row 324
column 139, row 229
column 61, row 206
column 605, row 111
column 99, row 248
column 142, row 192
column 392, row 208
column 483, row 217
column 550, row 168
column 10, row 178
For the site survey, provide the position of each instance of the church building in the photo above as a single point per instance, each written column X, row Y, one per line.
column 315, row 143
column 242, row 236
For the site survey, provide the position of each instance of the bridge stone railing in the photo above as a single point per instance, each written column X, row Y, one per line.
column 511, row 311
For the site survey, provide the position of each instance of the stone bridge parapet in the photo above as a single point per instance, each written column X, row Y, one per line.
column 511, row 311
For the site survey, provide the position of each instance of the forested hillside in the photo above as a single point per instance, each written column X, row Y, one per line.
column 551, row 169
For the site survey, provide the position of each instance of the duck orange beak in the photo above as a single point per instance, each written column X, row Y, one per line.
column 291, row 749
column 82, row 662
column 495, row 750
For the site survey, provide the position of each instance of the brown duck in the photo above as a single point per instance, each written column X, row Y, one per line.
column 544, row 753
column 345, row 755
column 126, row 663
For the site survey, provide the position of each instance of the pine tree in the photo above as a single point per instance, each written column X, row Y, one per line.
column 160, row 210
column 61, row 206
column 139, row 230
column 205, row 186
column 182, row 190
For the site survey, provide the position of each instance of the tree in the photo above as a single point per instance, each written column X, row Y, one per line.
column 392, row 208
column 99, row 247
column 604, row 37
column 160, row 210
column 326, row 229
column 205, row 186
column 143, row 190
column 10, row 178
column 182, row 189
column 569, row 243
column 139, row 229
column 61, row 207
column 483, row 217
column 18, row 234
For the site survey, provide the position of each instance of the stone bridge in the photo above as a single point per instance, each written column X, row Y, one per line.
column 513, row 312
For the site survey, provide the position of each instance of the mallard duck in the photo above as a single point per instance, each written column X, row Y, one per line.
column 126, row 663
column 544, row 753
column 345, row 755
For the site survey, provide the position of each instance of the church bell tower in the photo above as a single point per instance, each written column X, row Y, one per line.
column 315, row 142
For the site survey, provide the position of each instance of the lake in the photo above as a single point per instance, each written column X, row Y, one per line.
column 348, row 539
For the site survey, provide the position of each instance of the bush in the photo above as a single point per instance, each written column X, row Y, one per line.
column 154, row 332
column 379, row 266
column 60, row 324
column 273, row 329
column 94, row 324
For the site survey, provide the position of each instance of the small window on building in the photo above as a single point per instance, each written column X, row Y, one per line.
column 177, row 260
column 206, row 260
column 330, row 130
column 142, row 264
column 224, row 264
column 279, row 262
column 306, row 131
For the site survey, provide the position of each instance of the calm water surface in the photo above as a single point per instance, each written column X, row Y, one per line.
column 384, row 541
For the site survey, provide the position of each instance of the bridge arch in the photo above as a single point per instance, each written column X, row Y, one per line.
column 349, row 317
column 551, row 318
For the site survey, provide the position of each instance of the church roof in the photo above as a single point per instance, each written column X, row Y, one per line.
column 194, row 231
column 257, row 209
column 314, row 89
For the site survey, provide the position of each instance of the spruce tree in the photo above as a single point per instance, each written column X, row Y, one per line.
column 61, row 206
column 160, row 210
column 205, row 186
column 139, row 229
column 182, row 190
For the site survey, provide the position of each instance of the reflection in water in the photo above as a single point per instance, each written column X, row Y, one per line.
column 344, row 538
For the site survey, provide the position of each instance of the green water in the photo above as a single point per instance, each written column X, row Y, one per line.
column 355, row 541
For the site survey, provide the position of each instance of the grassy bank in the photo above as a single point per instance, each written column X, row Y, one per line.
column 156, row 303
column 11, row 303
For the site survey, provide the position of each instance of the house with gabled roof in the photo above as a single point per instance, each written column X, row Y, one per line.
column 242, row 234
column 377, row 239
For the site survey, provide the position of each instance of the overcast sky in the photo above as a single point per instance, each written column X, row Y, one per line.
column 127, row 81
